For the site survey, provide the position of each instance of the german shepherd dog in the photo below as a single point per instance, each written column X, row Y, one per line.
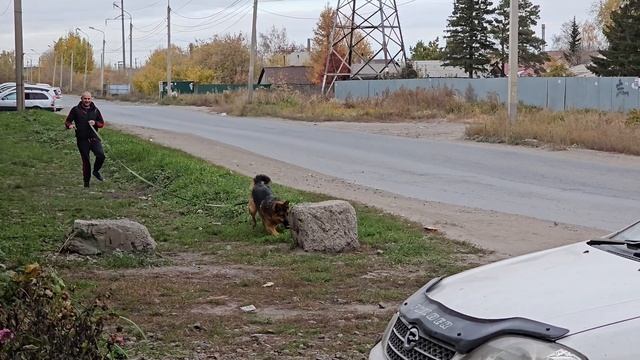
column 273, row 212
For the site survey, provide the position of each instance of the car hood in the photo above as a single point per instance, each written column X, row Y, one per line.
column 576, row 287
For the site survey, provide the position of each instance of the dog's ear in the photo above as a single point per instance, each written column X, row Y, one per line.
column 286, row 204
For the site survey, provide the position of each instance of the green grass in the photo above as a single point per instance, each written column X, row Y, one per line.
column 42, row 194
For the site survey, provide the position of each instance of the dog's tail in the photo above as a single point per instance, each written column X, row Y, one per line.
column 264, row 179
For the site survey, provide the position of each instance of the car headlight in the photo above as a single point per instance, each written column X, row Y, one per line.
column 521, row 348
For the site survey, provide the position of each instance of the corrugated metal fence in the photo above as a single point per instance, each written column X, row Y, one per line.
column 607, row 94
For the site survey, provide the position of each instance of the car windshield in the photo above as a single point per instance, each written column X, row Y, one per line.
column 629, row 234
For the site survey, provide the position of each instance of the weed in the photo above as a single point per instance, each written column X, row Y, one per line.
column 39, row 320
column 587, row 129
column 633, row 118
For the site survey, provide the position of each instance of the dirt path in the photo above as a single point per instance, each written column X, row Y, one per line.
column 505, row 234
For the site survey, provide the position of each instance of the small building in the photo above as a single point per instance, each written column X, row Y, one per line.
column 436, row 69
column 298, row 58
column 375, row 69
column 285, row 75
column 581, row 71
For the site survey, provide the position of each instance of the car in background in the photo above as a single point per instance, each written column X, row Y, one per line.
column 33, row 99
column 575, row 302
column 7, row 85
column 42, row 88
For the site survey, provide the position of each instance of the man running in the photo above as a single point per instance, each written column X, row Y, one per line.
column 81, row 118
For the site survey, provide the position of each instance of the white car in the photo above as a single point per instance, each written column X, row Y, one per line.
column 6, row 86
column 47, row 89
column 575, row 302
column 32, row 100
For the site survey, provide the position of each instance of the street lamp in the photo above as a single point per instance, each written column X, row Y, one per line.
column 101, row 61
column 86, row 59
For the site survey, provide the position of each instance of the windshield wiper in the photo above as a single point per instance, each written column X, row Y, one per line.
column 631, row 244
column 628, row 248
column 605, row 242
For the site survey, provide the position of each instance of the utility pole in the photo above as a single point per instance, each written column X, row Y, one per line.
column 86, row 59
column 55, row 63
column 123, row 11
column 71, row 73
column 168, row 48
column 124, row 64
column 61, row 63
column 101, row 61
column 130, row 50
column 252, row 58
column 513, row 62
column 19, row 54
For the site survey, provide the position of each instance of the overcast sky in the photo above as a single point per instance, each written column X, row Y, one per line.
column 45, row 21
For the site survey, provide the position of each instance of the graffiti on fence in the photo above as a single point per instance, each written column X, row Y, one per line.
column 621, row 89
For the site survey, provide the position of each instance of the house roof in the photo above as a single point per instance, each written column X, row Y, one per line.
column 291, row 75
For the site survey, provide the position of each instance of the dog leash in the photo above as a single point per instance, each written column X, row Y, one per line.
column 149, row 182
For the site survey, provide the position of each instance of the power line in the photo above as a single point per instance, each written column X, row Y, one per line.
column 212, row 24
column 158, row 26
column 287, row 16
column 235, row 2
column 141, row 28
column 149, row 36
column 6, row 8
column 147, row 6
column 237, row 21
column 183, row 5
column 243, row 14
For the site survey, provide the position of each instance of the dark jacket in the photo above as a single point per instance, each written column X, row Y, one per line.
column 81, row 116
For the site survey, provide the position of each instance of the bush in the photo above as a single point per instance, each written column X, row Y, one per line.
column 39, row 321
column 633, row 118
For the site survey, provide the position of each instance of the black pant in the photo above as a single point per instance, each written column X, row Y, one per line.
column 93, row 145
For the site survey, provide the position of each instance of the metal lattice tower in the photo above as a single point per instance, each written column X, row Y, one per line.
column 358, row 21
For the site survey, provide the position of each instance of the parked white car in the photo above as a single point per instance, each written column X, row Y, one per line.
column 32, row 100
column 41, row 88
column 575, row 302
column 6, row 86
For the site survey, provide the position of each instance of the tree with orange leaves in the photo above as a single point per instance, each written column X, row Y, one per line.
column 321, row 42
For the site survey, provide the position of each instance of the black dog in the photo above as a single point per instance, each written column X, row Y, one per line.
column 272, row 211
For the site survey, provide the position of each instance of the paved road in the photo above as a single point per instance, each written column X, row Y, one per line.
column 596, row 191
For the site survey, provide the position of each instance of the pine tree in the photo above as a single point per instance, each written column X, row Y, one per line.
column 574, row 44
column 430, row 51
column 468, row 43
column 529, row 45
column 622, row 58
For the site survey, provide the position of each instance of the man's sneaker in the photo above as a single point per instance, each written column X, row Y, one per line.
column 86, row 184
column 98, row 176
